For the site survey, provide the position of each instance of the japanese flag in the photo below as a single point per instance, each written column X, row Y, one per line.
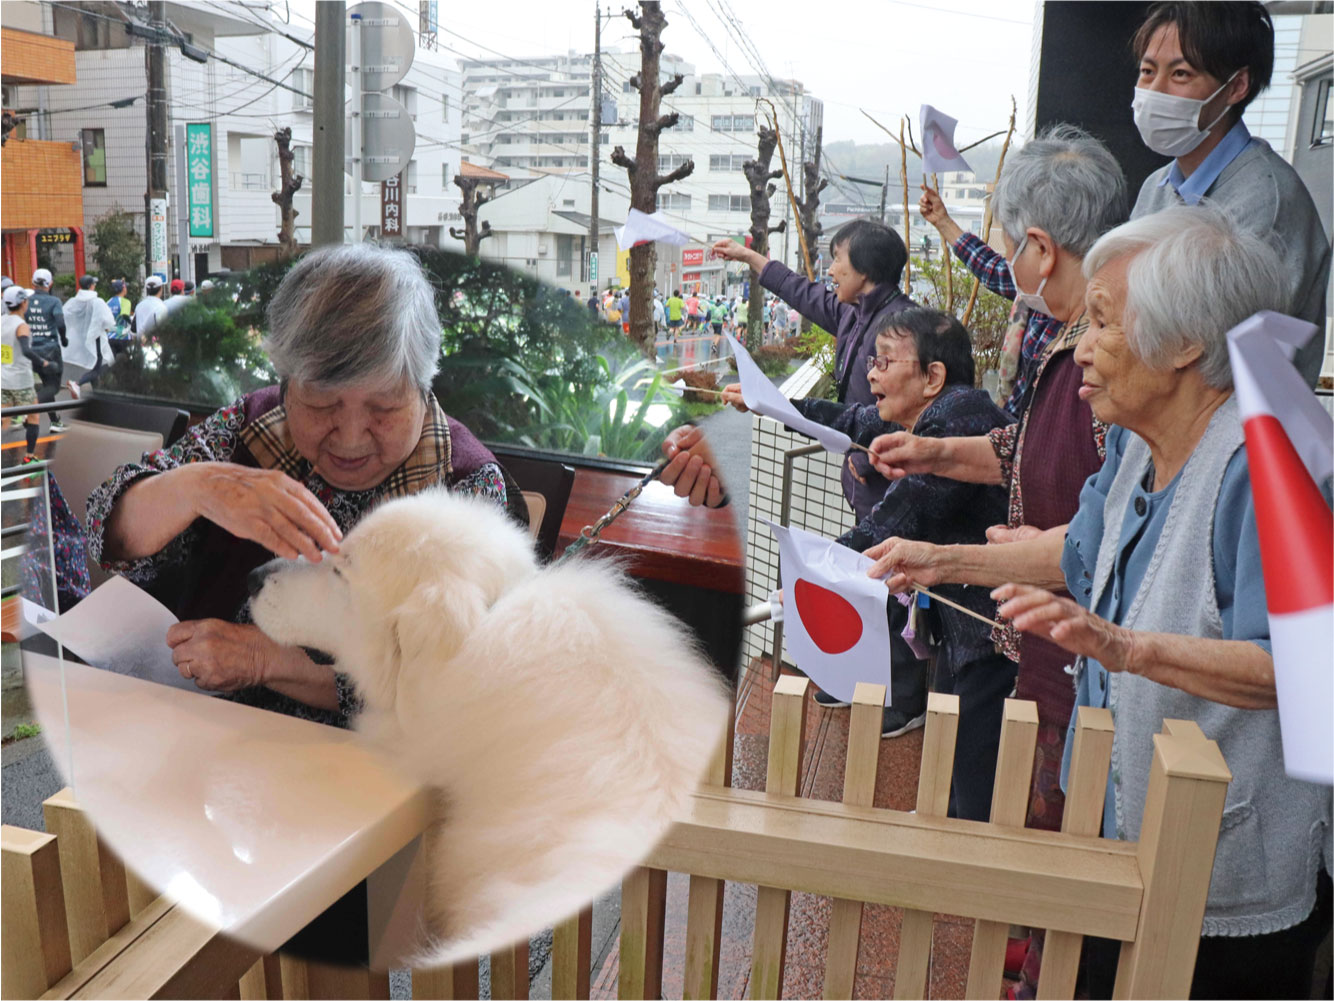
column 763, row 397
column 939, row 153
column 640, row 227
column 834, row 619
column 1290, row 450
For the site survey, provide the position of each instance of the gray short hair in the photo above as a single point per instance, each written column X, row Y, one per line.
column 1196, row 274
column 355, row 313
column 1065, row 182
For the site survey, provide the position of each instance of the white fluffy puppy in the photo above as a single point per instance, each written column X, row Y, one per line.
column 564, row 717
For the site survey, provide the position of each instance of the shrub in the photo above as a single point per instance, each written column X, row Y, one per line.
column 118, row 251
column 990, row 314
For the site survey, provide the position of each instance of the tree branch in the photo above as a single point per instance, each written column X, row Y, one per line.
column 619, row 157
column 635, row 81
column 634, row 19
column 685, row 170
column 457, row 234
column 483, row 231
column 780, row 228
column 665, row 122
column 670, row 86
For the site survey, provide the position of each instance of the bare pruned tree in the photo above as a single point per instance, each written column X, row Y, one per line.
column 761, row 179
column 290, row 185
column 476, row 193
column 643, row 168
column 808, row 205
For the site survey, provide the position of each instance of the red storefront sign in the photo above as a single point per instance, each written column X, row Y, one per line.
column 690, row 276
column 692, row 258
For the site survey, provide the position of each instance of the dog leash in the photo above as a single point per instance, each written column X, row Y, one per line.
column 593, row 533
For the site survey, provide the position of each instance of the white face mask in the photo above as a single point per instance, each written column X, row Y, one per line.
column 1033, row 302
column 1169, row 125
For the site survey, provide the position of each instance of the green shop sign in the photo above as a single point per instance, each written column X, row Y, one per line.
column 199, row 174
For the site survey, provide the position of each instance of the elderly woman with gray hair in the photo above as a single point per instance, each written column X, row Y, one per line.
column 355, row 338
column 1057, row 195
column 1169, row 618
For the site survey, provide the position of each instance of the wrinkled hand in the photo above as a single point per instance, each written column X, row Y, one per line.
column 221, row 656
column 1067, row 624
column 266, row 506
column 932, row 207
column 732, row 395
column 905, row 563
column 852, row 468
column 901, row 453
column 691, row 469
column 1001, row 534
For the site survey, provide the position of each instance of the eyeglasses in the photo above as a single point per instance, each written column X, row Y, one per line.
column 883, row 362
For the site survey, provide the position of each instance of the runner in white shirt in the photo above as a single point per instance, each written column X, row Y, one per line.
column 151, row 309
column 88, row 320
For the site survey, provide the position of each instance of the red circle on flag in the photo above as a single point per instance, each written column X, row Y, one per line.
column 830, row 620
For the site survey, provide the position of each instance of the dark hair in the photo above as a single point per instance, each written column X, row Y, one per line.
column 676, row 291
column 874, row 250
column 937, row 336
column 1218, row 38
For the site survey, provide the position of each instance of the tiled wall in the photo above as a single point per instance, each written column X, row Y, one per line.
column 817, row 504
column 42, row 185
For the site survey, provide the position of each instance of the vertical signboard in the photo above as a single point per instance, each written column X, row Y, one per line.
column 199, row 174
column 391, row 207
column 157, row 236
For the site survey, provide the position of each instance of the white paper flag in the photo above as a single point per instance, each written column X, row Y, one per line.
column 834, row 620
column 761, row 396
column 640, row 227
column 121, row 628
column 939, row 153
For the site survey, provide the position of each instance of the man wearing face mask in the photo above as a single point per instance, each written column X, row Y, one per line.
column 1200, row 65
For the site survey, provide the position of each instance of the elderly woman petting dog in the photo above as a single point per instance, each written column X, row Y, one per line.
column 355, row 338
column 1168, row 619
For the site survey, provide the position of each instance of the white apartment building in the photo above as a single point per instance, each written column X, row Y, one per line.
column 245, row 110
column 536, row 115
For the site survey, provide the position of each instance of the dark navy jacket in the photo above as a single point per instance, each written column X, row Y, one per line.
column 932, row 508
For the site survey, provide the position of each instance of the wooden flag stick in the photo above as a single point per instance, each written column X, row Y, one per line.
column 987, row 216
column 955, row 605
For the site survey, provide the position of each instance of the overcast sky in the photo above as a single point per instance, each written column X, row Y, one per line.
column 887, row 56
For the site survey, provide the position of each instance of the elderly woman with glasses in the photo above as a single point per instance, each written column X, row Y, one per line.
column 355, row 337
column 921, row 377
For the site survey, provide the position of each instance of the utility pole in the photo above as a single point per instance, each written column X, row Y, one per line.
column 593, row 234
column 155, row 64
column 326, row 208
column 884, row 194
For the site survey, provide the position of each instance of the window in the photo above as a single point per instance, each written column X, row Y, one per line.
column 729, row 203
column 670, row 161
column 725, row 161
column 564, row 254
column 410, row 177
column 94, row 158
column 686, row 123
column 674, row 202
column 301, row 160
column 1322, row 125
column 444, row 106
column 721, row 123
column 446, row 178
column 743, row 123
column 406, row 96
column 754, row 91
column 303, row 80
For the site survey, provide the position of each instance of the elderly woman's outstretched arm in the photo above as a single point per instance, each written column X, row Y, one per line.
column 1233, row 672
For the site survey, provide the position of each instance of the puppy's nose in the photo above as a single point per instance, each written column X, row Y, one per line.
column 255, row 580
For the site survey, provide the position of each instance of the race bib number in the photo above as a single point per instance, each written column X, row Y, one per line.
column 7, row 354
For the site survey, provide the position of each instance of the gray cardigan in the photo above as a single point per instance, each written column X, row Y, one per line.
column 1275, row 829
column 1262, row 192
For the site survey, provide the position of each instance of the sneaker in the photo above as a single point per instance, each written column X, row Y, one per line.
column 56, row 427
column 17, row 422
column 29, row 458
column 829, row 701
column 75, row 390
column 897, row 723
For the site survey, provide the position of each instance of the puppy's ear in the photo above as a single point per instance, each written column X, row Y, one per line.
column 435, row 620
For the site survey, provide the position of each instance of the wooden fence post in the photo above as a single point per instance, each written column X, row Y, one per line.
column 571, row 957
column 933, row 800
column 704, row 900
column 1009, row 808
column 787, row 724
column 509, row 973
column 36, row 940
column 97, row 903
column 445, row 983
column 643, row 911
column 1187, row 789
column 1090, row 758
column 863, row 758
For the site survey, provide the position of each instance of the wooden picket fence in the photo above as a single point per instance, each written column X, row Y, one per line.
column 76, row 924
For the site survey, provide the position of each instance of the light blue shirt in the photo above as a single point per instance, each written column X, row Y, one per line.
column 1193, row 188
column 1238, row 577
